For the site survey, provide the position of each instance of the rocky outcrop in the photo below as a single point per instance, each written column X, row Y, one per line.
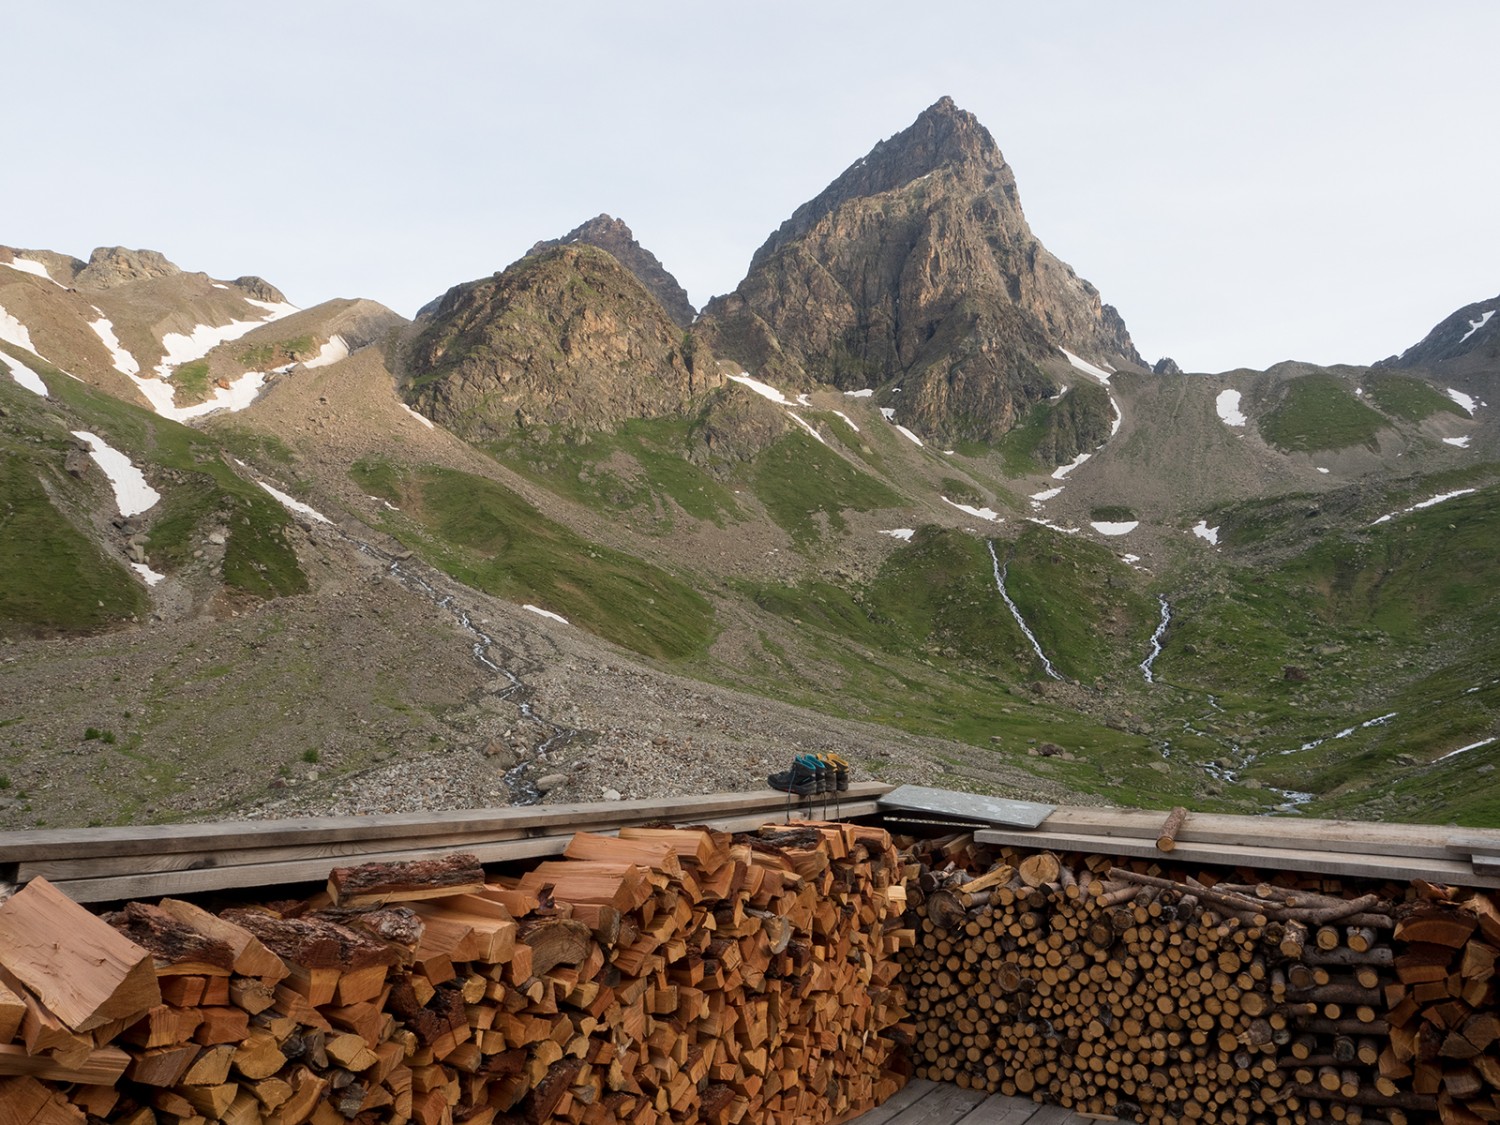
column 1472, row 333
column 110, row 266
column 1166, row 365
column 567, row 337
column 258, row 288
column 916, row 271
column 614, row 237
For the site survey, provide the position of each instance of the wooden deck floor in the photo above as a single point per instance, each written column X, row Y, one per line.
column 922, row 1102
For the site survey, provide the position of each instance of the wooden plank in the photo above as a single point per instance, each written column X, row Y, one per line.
column 997, row 1109
column 153, row 885
column 942, row 1105
column 1475, row 842
column 966, row 806
column 1369, row 865
column 913, row 1091
column 309, row 831
column 62, row 868
column 1422, row 840
column 1054, row 1115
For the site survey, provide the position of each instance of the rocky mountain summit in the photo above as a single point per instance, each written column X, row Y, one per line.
column 915, row 274
column 613, row 236
column 568, row 337
column 1472, row 333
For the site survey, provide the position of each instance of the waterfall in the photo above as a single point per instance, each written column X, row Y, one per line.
column 1016, row 613
column 1166, row 618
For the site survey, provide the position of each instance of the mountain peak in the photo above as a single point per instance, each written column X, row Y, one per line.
column 611, row 235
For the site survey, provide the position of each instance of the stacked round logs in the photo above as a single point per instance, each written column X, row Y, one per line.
column 1097, row 985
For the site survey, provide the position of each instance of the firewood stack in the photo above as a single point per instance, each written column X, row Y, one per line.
column 1444, row 1028
column 667, row 974
column 1152, row 992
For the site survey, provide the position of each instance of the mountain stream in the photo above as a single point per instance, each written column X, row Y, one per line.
column 1016, row 613
column 490, row 655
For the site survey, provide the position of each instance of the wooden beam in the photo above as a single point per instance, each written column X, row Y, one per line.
column 156, row 884
column 1325, row 862
column 1421, row 840
column 164, row 839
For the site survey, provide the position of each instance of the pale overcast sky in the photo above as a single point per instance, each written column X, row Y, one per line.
column 1246, row 183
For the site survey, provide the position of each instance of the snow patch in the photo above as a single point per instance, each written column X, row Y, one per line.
column 149, row 576
column 847, row 419
column 132, row 494
column 1460, row 442
column 1463, row 400
column 24, row 375
column 540, row 612
column 1228, row 406
column 1428, row 503
column 1046, row 494
column 1085, row 366
column 293, row 505
column 1203, row 531
column 804, row 400
column 12, row 331
column 866, row 393
column 1053, row 526
column 806, row 425
column 1465, row 749
column 765, row 390
column 1321, row 469
column 426, row 421
column 1476, row 325
column 331, row 352
column 180, row 348
column 275, row 309
column 240, row 394
column 1123, row 528
column 902, row 533
column 36, row 269
column 908, row 435
column 979, row 513
column 1130, row 559
column 888, row 413
column 1063, row 470
column 124, row 362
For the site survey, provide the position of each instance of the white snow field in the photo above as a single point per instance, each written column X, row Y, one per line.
column 132, row 494
column 1228, row 406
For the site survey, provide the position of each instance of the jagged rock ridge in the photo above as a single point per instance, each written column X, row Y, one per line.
column 614, row 237
column 916, row 270
column 1472, row 331
column 568, row 337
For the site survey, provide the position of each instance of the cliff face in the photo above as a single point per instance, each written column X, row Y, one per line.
column 916, row 270
column 614, row 237
column 566, row 337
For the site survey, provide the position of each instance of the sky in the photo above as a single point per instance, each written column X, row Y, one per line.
column 1246, row 183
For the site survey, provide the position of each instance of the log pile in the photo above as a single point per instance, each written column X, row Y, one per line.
column 1444, row 1027
column 667, row 974
column 1147, row 992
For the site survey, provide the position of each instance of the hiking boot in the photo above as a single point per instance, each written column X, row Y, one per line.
column 821, row 772
column 840, row 768
column 800, row 779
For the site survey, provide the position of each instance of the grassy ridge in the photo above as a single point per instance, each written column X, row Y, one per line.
column 488, row 537
column 634, row 470
column 1315, row 412
column 803, row 484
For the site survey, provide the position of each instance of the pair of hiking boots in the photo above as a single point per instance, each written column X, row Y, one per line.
column 813, row 773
